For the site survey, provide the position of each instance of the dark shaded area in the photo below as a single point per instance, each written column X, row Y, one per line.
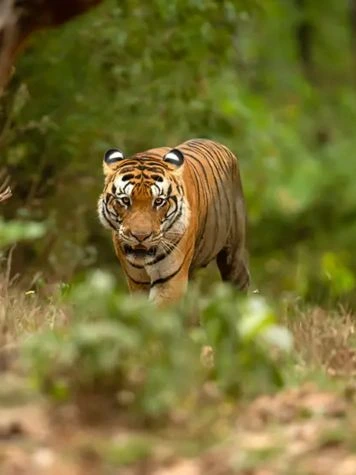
column 21, row 18
column 304, row 35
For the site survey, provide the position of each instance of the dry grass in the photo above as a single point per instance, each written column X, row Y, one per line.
column 23, row 313
column 325, row 339
column 305, row 427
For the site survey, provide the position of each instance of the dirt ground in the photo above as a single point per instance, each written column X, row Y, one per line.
column 301, row 430
column 308, row 428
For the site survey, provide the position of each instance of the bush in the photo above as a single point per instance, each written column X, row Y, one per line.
column 230, row 71
column 245, row 338
column 14, row 231
column 126, row 351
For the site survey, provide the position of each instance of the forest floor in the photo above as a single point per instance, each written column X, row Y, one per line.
column 309, row 427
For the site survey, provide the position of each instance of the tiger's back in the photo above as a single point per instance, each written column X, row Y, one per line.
column 214, row 190
column 200, row 216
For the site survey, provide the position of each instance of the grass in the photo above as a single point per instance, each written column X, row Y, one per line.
column 305, row 427
column 25, row 311
column 325, row 339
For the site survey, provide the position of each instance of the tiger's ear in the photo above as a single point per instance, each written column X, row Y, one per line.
column 174, row 157
column 111, row 157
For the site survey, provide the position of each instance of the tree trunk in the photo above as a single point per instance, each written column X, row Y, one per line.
column 352, row 12
column 20, row 18
column 304, row 36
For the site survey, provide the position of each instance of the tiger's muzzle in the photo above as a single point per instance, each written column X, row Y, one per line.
column 139, row 251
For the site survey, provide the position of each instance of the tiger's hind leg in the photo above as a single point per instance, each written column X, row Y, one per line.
column 233, row 267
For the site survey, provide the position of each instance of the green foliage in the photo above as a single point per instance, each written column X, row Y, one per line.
column 135, row 448
column 148, row 360
column 243, row 336
column 125, row 349
column 337, row 272
column 230, row 71
column 14, row 231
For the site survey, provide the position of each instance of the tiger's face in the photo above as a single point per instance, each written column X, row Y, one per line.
column 143, row 201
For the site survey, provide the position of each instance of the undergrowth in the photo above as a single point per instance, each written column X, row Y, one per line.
column 148, row 361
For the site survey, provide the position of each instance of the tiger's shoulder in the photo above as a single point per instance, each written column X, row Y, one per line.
column 204, row 145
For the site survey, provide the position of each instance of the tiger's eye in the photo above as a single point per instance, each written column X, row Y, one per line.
column 159, row 201
column 125, row 200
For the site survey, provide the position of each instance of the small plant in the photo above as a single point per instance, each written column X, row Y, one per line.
column 246, row 340
column 119, row 348
column 146, row 360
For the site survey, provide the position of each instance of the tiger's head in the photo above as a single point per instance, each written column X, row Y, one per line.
column 143, row 201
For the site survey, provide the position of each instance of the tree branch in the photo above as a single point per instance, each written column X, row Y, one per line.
column 19, row 19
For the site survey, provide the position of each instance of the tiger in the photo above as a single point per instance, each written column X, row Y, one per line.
column 172, row 211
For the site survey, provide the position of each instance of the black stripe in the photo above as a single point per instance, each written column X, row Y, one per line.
column 160, row 167
column 130, row 163
column 200, row 164
column 127, row 184
column 175, row 219
column 222, row 155
column 154, row 161
column 157, row 187
column 226, row 173
column 136, row 266
column 200, row 190
column 156, row 168
column 214, row 165
column 163, row 280
column 107, row 218
column 160, row 257
column 108, row 196
column 128, row 169
column 195, row 176
column 215, row 168
column 137, row 282
column 128, row 177
column 175, row 201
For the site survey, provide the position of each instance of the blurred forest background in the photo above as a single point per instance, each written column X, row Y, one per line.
column 274, row 81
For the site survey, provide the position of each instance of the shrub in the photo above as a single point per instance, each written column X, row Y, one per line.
column 147, row 360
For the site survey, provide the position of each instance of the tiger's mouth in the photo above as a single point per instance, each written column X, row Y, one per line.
column 140, row 251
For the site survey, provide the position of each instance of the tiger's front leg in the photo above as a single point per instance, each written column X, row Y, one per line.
column 164, row 294
column 170, row 284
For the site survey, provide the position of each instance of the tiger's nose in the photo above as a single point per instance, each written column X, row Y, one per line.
column 141, row 235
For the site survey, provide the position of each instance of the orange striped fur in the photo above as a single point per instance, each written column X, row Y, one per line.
column 172, row 211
